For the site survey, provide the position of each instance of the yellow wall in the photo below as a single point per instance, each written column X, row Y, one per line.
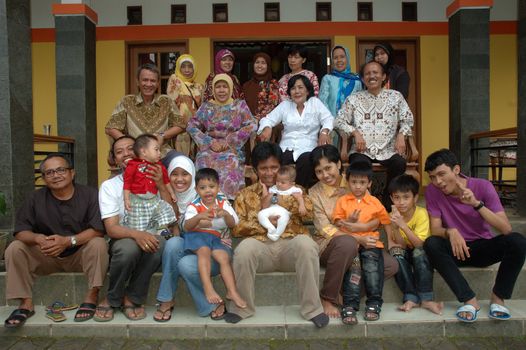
column 111, row 81
column 44, row 87
column 503, row 81
column 202, row 51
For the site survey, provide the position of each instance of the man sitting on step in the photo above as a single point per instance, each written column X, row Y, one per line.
column 462, row 212
column 58, row 229
column 294, row 251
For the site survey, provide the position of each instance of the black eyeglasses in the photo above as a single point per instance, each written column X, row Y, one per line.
column 52, row 172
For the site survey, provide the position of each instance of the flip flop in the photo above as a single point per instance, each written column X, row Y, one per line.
column 20, row 315
column 55, row 315
column 469, row 309
column 496, row 309
column 104, row 309
column 85, row 308
column 218, row 317
column 163, row 313
column 59, row 305
column 133, row 307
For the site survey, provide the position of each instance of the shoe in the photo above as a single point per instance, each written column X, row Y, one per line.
column 469, row 309
column 499, row 312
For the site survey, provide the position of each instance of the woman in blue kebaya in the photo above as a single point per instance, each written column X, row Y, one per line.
column 341, row 82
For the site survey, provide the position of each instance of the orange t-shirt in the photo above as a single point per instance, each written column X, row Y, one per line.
column 370, row 209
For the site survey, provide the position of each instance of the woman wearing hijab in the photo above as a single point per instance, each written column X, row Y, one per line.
column 220, row 128
column 175, row 263
column 340, row 83
column 187, row 94
column 223, row 64
column 397, row 77
column 296, row 57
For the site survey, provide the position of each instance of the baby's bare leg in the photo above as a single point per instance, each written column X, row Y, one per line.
column 223, row 259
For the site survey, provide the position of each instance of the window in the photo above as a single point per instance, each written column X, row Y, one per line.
column 178, row 13
column 134, row 15
column 323, row 11
column 272, row 12
column 365, row 11
column 409, row 11
column 220, row 12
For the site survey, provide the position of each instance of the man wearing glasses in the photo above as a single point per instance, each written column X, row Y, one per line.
column 57, row 229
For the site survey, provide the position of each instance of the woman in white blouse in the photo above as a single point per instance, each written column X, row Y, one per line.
column 306, row 124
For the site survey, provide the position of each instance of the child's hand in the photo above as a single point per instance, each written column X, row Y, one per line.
column 127, row 204
column 204, row 223
column 174, row 198
column 396, row 217
column 355, row 216
column 302, row 210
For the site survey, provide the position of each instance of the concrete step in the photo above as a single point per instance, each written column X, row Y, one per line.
column 272, row 289
column 278, row 322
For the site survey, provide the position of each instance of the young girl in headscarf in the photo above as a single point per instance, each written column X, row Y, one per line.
column 223, row 64
column 220, row 128
column 187, row 94
column 340, row 83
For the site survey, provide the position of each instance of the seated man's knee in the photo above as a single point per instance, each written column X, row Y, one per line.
column 14, row 248
column 247, row 249
column 304, row 245
column 433, row 244
column 126, row 249
column 97, row 244
column 516, row 242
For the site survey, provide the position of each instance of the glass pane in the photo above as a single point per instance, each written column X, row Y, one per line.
column 164, row 85
column 168, row 62
column 146, row 58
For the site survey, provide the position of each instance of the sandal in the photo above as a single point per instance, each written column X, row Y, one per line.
column 349, row 317
column 163, row 314
column 372, row 313
column 20, row 315
column 55, row 314
column 499, row 312
column 467, row 309
column 88, row 309
column 126, row 311
column 59, row 305
column 104, row 309
column 214, row 315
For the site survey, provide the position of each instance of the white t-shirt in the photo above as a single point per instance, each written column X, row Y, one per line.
column 288, row 192
column 111, row 198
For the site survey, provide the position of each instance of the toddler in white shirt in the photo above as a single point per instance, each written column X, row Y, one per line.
column 285, row 186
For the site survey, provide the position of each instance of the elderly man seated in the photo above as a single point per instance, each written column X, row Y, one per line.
column 58, row 229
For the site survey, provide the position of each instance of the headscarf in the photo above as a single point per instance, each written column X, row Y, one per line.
column 186, row 197
column 253, row 87
column 226, row 78
column 179, row 63
column 219, row 56
column 388, row 50
column 344, row 75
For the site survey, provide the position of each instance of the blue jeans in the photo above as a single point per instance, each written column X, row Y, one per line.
column 175, row 264
column 372, row 272
column 415, row 275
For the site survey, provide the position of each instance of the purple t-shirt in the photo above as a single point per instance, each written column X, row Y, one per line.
column 463, row 217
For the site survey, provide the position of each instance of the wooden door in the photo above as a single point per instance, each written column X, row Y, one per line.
column 161, row 55
column 405, row 55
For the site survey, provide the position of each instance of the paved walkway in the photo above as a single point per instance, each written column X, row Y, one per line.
column 18, row 343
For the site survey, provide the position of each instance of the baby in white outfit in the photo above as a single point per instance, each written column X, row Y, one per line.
column 285, row 181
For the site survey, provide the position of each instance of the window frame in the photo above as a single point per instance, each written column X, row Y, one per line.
column 215, row 11
column 320, row 6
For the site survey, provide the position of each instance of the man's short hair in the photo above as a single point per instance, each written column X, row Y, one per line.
column 112, row 151
column 264, row 151
column 360, row 167
column 142, row 142
column 437, row 158
column 55, row 155
column 288, row 170
column 404, row 183
column 206, row 174
column 148, row 66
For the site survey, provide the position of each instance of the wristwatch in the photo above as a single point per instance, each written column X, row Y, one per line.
column 73, row 241
column 325, row 132
column 479, row 206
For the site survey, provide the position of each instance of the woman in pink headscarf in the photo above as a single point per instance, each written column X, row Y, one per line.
column 223, row 64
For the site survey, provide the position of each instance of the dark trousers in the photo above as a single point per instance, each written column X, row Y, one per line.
column 395, row 166
column 415, row 275
column 509, row 249
column 372, row 269
column 305, row 176
column 131, row 270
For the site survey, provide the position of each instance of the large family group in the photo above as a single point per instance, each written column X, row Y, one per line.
column 180, row 195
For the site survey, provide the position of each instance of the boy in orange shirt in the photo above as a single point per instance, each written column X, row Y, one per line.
column 359, row 206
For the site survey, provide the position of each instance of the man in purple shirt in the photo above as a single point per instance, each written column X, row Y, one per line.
column 462, row 212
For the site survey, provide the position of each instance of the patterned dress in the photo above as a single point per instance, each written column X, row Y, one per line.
column 231, row 123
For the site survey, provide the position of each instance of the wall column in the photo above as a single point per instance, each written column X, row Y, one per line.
column 16, row 107
column 75, row 26
column 468, row 75
column 521, row 109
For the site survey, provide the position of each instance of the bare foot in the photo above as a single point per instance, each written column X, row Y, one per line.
column 330, row 309
column 407, row 306
column 433, row 306
column 236, row 298
column 212, row 296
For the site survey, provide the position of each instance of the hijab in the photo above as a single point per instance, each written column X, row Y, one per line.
column 345, row 75
column 226, row 78
column 219, row 56
column 179, row 63
column 253, row 87
column 188, row 196
column 388, row 50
